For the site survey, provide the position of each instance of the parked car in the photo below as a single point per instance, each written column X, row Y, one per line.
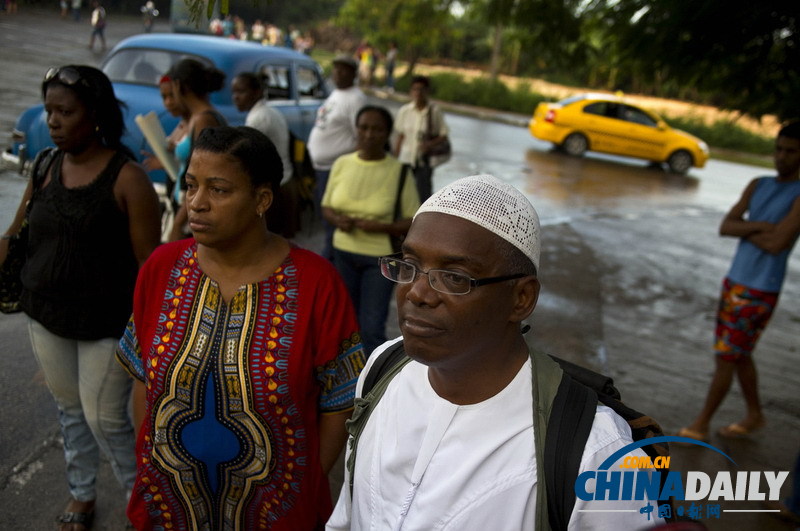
column 294, row 84
column 609, row 124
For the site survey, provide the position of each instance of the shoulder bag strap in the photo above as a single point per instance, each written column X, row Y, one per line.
column 400, row 186
column 41, row 165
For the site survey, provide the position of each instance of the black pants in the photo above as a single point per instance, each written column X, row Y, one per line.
column 423, row 177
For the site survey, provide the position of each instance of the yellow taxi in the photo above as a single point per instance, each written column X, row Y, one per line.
column 608, row 124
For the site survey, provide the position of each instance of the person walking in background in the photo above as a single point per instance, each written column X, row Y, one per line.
column 390, row 61
column 420, row 126
column 75, row 5
column 245, row 351
column 94, row 219
column 359, row 201
column 192, row 82
column 752, row 286
column 334, row 133
column 98, row 25
column 149, row 14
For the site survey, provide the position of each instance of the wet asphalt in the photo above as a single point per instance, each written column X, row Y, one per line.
column 631, row 267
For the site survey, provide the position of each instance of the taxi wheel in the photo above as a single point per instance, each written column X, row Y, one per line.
column 680, row 162
column 575, row 144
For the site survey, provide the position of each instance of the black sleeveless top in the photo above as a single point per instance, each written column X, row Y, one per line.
column 80, row 270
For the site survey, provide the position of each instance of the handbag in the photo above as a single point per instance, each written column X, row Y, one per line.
column 11, row 269
column 397, row 241
column 441, row 152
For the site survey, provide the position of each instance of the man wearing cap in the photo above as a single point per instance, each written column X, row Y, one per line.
column 334, row 131
column 450, row 444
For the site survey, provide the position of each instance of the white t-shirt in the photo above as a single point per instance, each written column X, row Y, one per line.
column 334, row 131
column 481, row 472
column 412, row 123
column 272, row 123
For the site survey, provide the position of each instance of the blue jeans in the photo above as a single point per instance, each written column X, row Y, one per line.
column 370, row 293
column 321, row 181
column 91, row 390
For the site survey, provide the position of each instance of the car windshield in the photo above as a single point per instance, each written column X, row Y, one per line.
column 143, row 66
column 571, row 99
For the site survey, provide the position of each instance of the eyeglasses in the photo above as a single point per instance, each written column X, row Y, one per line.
column 67, row 75
column 442, row 280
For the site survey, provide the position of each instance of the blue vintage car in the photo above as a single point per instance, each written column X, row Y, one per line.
column 294, row 84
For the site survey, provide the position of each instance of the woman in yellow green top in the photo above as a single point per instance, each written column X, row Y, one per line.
column 359, row 201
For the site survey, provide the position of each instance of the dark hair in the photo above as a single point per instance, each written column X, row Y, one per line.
column 255, row 152
column 385, row 114
column 514, row 259
column 196, row 77
column 251, row 79
column 791, row 130
column 94, row 90
column 423, row 80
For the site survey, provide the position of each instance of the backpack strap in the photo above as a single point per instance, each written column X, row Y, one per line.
column 546, row 379
column 568, row 430
column 563, row 414
column 389, row 363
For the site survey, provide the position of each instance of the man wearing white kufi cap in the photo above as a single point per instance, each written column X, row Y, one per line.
column 450, row 443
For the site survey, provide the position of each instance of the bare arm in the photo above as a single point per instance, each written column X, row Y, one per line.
column 332, row 436
column 398, row 144
column 396, row 228
column 141, row 204
column 734, row 223
column 340, row 221
column 782, row 235
column 181, row 217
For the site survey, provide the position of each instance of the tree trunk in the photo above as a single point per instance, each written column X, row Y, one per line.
column 494, row 68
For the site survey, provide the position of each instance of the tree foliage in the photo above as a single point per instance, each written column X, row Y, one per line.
column 745, row 54
column 417, row 26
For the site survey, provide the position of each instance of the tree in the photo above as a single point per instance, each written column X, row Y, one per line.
column 417, row 26
column 746, row 54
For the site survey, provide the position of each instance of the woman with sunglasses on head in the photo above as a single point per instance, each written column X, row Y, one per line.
column 94, row 218
column 246, row 354
column 359, row 201
column 192, row 83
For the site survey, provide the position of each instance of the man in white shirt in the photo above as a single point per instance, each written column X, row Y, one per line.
column 334, row 131
column 450, row 445
column 419, row 126
column 248, row 95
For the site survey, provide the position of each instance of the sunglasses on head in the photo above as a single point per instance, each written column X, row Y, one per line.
column 67, row 75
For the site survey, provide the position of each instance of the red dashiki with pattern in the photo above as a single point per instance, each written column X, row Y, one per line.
column 234, row 392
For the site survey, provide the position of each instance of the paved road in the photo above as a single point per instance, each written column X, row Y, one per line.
column 630, row 272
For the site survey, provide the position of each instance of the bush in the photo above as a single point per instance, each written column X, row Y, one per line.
column 480, row 91
column 725, row 134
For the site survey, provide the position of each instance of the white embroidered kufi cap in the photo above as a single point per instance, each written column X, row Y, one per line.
column 494, row 205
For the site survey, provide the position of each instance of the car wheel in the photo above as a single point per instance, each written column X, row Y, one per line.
column 575, row 144
column 680, row 161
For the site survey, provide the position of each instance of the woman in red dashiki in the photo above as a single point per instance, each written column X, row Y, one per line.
column 246, row 354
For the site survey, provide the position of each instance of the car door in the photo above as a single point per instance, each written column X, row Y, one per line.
column 599, row 121
column 311, row 93
column 641, row 136
column 280, row 91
